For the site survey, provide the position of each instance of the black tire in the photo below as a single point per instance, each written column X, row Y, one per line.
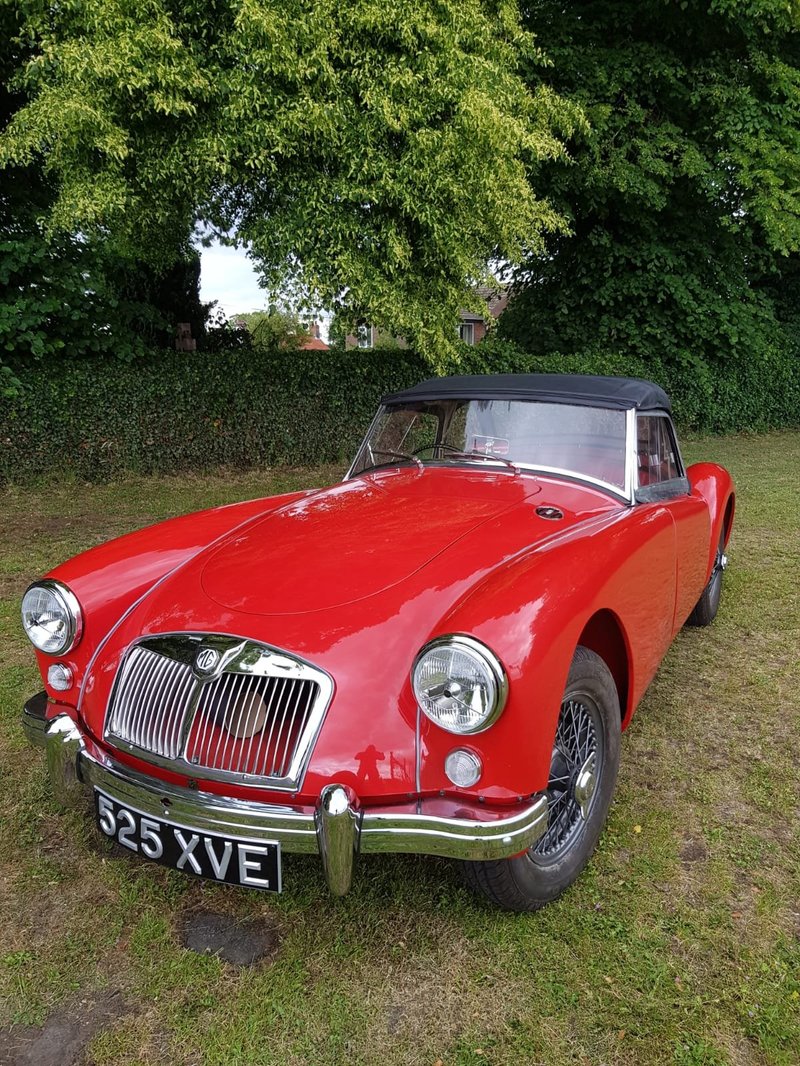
column 527, row 882
column 705, row 610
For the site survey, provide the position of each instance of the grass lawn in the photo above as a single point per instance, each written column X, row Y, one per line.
column 680, row 944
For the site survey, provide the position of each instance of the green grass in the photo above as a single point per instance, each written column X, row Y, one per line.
column 680, row 943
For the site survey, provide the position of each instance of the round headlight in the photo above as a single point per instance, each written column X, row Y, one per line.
column 51, row 617
column 459, row 684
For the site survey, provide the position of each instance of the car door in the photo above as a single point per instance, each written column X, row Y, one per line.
column 662, row 479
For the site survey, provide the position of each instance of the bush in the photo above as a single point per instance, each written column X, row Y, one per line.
column 745, row 394
column 178, row 411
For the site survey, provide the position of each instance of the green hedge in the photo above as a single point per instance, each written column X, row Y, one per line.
column 176, row 411
column 180, row 411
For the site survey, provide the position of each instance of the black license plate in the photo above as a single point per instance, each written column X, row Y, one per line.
column 231, row 860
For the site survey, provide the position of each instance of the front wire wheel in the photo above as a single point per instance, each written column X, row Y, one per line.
column 583, row 774
column 575, row 767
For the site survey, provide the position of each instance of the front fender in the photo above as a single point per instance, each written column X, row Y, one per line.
column 109, row 579
column 532, row 613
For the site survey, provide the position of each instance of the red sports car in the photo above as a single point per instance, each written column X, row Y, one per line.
column 437, row 655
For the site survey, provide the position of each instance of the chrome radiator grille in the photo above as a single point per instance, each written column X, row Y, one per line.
column 251, row 717
column 152, row 698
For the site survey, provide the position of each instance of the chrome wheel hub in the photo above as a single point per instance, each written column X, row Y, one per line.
column 585, row 783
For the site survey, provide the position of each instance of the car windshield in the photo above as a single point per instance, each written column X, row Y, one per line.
column 586, row 442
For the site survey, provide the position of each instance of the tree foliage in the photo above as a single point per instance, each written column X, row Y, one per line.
column 66, row 293
column 683, row 194
column 273, row 329
column 373, row 155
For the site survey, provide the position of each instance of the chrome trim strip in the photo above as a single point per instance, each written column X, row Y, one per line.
column 573, row 475
column 527, row 468
column 418, row 751
column 455, row 838
column 630, row 455
column 364, row 440
column 336, row 828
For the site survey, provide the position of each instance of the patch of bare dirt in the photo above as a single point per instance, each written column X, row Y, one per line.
column 12, row 587
column 693, row 850
column 34, row 919
column 239, row 942
column 65, row 1035
column 95, row 525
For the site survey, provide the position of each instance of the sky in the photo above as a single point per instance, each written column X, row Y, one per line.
column 227, row 276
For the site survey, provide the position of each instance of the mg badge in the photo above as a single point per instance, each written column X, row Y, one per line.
column 206, row 660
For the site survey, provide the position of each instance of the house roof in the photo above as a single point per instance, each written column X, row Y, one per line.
column 316, row 344
column 587, row 390
column 496, row 299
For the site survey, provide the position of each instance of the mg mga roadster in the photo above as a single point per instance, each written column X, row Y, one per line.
column 437, row 655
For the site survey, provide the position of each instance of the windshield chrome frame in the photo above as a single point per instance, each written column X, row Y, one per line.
column 625, row 492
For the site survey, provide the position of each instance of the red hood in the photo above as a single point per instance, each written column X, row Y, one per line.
column 365, row 543
column 351, row 541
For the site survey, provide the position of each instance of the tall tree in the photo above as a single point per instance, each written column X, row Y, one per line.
column 373, row 156
column 683, row 195
column 66, row 292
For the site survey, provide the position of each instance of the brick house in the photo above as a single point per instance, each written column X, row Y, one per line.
column 315, row 341
column 472, row 327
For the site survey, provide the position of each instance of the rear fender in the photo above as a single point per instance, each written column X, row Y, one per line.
column 714, row 484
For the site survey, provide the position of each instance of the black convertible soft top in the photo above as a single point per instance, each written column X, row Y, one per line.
column 588, row 390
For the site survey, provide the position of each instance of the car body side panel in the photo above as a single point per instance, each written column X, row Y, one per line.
column 693, row 536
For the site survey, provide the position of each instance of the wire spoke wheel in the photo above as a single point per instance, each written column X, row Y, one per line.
column 580, row 786
column 575, row 769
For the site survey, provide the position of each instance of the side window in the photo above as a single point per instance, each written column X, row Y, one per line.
column 656, row 454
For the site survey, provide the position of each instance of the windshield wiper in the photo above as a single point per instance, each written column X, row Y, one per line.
column 458, row 453
column 395, row 455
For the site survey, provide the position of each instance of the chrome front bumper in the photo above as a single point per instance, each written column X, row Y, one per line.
column 337, row 828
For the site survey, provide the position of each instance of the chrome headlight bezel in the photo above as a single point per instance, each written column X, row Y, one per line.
column 70, row 609
column 489, row 662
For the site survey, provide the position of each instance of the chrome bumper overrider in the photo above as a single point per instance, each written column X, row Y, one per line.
column 336, row 828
